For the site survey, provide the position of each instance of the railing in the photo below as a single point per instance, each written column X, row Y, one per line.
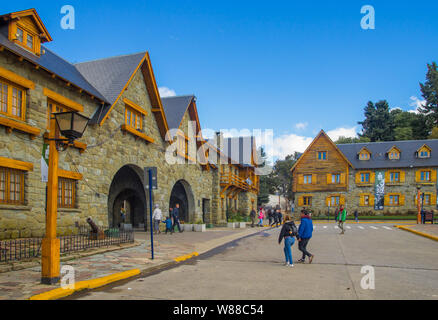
column 236, row 181
column 16, row 250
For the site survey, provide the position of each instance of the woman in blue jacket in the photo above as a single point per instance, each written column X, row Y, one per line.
column 305, row 232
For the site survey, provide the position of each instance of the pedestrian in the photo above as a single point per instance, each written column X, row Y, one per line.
column 122, row 216
column 275, row 218
column 157, row 216
column 288, row 232
column 280, row 218
column 175, row 215
column 169, row 224
column 305, row 232
column 356, row 216
column 261, row 217
column 341, row 218
column 270, row 216
column 336, row 214
column 252, row 215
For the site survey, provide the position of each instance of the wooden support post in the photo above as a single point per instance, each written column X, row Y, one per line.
column 51, row 245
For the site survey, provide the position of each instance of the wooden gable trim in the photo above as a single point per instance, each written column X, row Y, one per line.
column 392, row 148
column 154, row 96
column 322, row 132
column 15, row 78
column 425, row 146
column 63, row 100
column 135, row 106
column 39, row 23
column 364, row 149
column 123, row 90
column 16, row 164
column 69, row 175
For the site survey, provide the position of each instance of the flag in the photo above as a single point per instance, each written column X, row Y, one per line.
column 45, row 163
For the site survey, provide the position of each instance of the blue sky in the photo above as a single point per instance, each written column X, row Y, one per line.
column 266, row 65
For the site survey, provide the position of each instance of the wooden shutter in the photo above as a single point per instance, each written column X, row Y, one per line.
column 342, row 200
column 314, row 176
column 329, row 178
column 301, row 201
column 433, row 199
column 402, row 200
column 327, row 201
column 343, row 176
column 357, row 177
column 402, row 176
column 387, row 177
column 301, row 179
column 386, row 200
column 371, row 201
column 418, row 176
column 372, row 177
column 362, row 200
column 433, row 175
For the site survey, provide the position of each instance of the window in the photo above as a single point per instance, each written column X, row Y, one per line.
column 424, row 154
column 11, row 186
column 366, row 200
column 393, row 154
column 25, row 39
column 308, row 179
column 336, row 178
column 365, row 177
column 334, row 201
column 426, row 200
column 133, row 118
column 307, row 201
column 322, row 155
column 394, row 200
column 425, row 176
column 29, row 42
column 12, row 100
column 364, row 155
column 66, row 193
column 394, row 177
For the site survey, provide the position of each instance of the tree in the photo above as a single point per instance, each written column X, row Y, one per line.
column 348, row 140
column 409, row 125
column 378, row 124
column 434, row 134
column 430, row 93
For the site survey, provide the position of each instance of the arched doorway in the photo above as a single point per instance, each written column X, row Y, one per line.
column 182, row 194
column 127, row 191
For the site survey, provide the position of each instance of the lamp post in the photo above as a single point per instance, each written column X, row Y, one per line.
column 72, row 126
column 419, row 205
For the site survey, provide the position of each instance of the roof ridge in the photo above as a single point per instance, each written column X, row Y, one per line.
column 396, row 141
column 182, row 96
column 113, row 57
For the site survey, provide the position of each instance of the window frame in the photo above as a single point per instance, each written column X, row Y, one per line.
column 307, row 201
column 7, row 186
column 306, row 179
column 138, row 118
column 322, row 155
column 23, row 43
column 362, row 174
column 62, row 184
column 10, row 99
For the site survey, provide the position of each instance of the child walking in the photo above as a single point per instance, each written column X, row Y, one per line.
column 168, row 223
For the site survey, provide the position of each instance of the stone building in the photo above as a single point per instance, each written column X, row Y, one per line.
column 372, row 178
column 131, row 128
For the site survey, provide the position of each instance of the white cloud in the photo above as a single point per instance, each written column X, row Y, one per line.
column 289, row 144
column 342, row 132
column 166, row 92
column 417, row 103
column 301, row 125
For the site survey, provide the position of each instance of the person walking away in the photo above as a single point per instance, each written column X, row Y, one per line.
column 274, row 217
column 169, row 224
column 252, row 215
column 356, row 216
column 270, row 216
column 280, row 218
column 175, row 215
column 288, row 233
column 305, row 232
column 341, row 218
column 261, row 217
column 157, row 216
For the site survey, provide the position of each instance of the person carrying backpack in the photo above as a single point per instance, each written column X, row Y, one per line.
column 288, row 232
column 305, row 232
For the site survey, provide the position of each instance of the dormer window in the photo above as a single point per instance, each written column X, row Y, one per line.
column 364, row 154
column 27, row 30
column 424, row 152
column 394, row 154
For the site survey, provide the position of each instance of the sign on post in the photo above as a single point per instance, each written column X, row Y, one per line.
column 150, row 181
column 154, row 177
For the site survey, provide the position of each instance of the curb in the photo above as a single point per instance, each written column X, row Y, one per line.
column 186, row 257
column 426, row 235
column 87, row 284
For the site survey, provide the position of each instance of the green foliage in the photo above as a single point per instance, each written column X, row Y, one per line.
column 378, row 124
column 199, row 222
column 429, row 89
column 348, row 140
column 434, row 134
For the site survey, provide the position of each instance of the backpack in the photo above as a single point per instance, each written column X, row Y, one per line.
column 291, row 229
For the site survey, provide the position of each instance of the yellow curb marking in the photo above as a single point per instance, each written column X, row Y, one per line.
column 86, row 284
column 186, row 257
column 406, row 228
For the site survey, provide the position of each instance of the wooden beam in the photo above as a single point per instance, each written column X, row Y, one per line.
column 16, row 164
column 63, row 100
column 69, row 175
column 17, row 79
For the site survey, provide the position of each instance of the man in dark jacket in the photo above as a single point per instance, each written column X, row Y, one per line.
column 175, row 216
column 305, row 232
column 252, row 215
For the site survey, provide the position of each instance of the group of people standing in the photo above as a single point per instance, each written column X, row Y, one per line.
column 171, row 221
column 275, row 217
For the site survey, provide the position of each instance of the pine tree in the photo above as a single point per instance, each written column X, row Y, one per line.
column 378, row 124
column 430, row 93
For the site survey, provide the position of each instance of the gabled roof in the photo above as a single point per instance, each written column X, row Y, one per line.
column 32, row 13
column 424, row 146
column 379, row 149
column 175, row 108
column 52, row 63
column 322, row 133
column 392, row 148
column 364, row 149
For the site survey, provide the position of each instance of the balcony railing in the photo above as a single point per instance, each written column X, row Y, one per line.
column 233, row 180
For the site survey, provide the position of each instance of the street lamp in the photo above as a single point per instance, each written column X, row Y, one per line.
column 419, row 204
column 72, row 126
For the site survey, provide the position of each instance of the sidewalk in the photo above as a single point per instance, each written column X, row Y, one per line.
column 22, row 284
column 426, row 230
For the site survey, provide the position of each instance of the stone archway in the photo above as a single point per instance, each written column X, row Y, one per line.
column 127, row 190
column 182, row 194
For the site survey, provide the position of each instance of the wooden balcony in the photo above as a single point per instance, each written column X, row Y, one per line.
column 234, row 182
